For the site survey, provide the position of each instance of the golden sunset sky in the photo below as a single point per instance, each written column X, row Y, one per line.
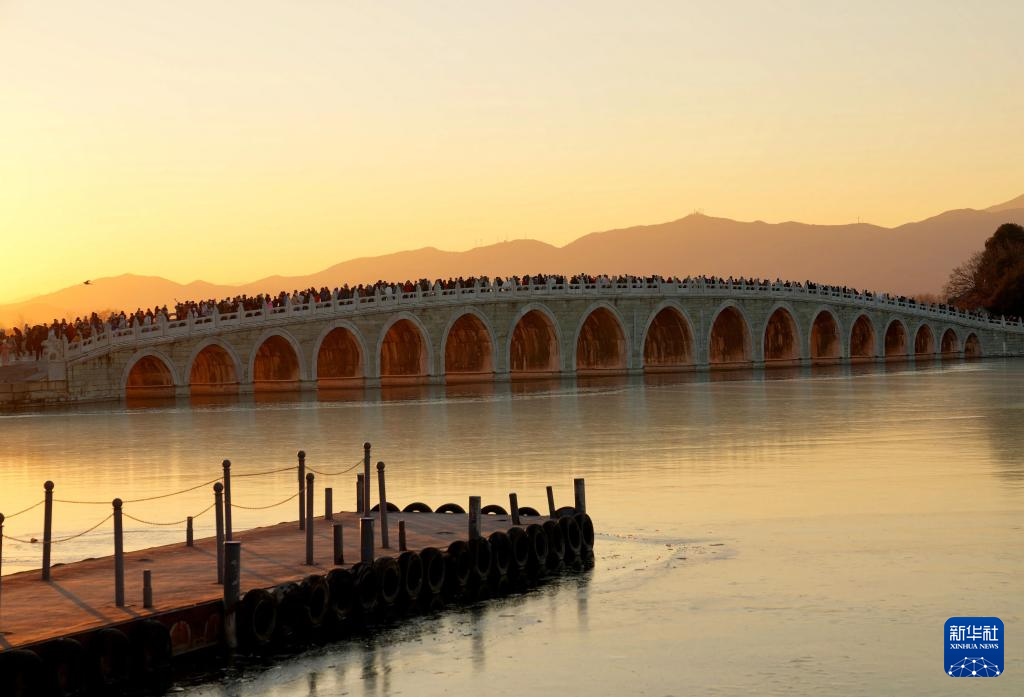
column 232, row 140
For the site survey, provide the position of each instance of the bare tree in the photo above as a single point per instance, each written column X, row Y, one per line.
column 962, row 287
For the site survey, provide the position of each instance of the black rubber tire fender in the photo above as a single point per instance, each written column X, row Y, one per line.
column 66, row 666
column 480, row 553
column 433, row 570
column 111, row 653
column 292, row 614
column 501, row 553
column 565, row 512
column 538, row 547
column 151, row 663
column 527, row 511
column 257, row 619
column 417, row 507
column 317, row 596
column 572, row 536
column 411, row 566
column 458, row 567
column 22, row 673
column 389, row 581
column 493, row 509
column 343, row 594
column 520, row 549
column 450, row 508
column 366, row 588
column 556, row 544
column 392, row 508
column 586, row 531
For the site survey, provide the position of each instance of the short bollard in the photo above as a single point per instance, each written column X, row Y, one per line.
column 232, row 591
column 402, row 546
column 513, row 505
column 218, row 511
column 366, row 540
column 47, row 528
column 474, row 517
column 302, row 489
column 189, row 534
column 551, row 502
column 580, row 490
column 309, row 519
column 118, row 554
column 227, row 499
column 147, row 589
column 365, row 510
column 383, row 508
column 328, row 503
column 339, row 548
column 360, row 490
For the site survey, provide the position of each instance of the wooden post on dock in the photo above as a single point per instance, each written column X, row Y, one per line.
column 218, row 510
column 580, row 490
column 513, row 505
column 339, row 548
column 383, row 508
column 366, row 480
column 474, row 517
column 302, row 489
column 47, row 527
column 328, row 503
column 232, row 591
column 402, row 546
column 227, row 499
column 551, row 502
column 189, row 532
column 147, row 589
column 309, row 519
column 359, row 494
column 366, row 540
column 118, row 554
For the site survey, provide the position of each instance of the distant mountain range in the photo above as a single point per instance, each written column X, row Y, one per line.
column 908, row 259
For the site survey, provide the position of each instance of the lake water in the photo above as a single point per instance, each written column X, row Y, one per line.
column 791, row 533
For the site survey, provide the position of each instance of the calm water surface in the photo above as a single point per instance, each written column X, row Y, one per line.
column 802, row 533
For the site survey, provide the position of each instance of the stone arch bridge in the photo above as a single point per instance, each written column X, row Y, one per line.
column 518, row 332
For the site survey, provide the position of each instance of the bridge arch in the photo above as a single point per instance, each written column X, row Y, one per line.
column 470, row 351
column 781, row 336
column 339, row 355
column 826, row 337
column 897, row 340
column 149, row 373
column 600, row 343
column 863, row 339
column 972, row 346
column 668, row 338
column 534, row 346
column 404, row 352
column 950, row 345
column 729, row 340
column 276, row 362
column 214, row 368
column 924, row 341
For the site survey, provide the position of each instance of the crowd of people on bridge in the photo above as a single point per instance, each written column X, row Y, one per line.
column 28, row 342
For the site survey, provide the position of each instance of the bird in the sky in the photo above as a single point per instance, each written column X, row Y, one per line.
column 87, row 283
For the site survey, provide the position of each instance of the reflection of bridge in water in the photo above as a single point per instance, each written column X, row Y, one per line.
column 521, row 332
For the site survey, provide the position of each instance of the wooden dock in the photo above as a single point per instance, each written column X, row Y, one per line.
column 121, row 623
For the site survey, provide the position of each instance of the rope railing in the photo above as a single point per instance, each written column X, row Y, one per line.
column 170, row 523
column 57, row 540
column 263, row 508
column 37, row 504
column 320, row 473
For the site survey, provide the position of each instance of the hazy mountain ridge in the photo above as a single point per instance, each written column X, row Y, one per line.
column 911, row 258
